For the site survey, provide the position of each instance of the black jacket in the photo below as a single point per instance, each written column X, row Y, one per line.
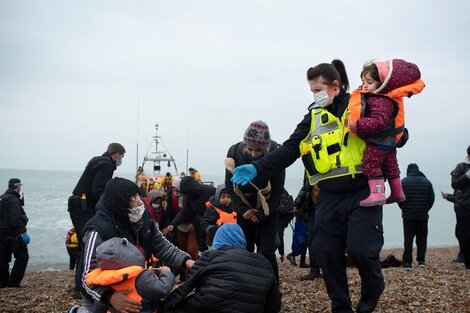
column 194, row 206
column 461, row 185
column 98, row 172
column 105, row 225
column 419, row 197
column 286, row 154
column 228, row 280
column 276, row 178
column 13, row 218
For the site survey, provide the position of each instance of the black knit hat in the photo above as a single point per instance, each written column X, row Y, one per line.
column 118, row 193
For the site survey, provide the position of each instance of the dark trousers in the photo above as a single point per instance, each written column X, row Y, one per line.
column 79, row 218
column 264, row 234
column 310, row 235
column 463, row 232
column 341, row 226
column 412, row 228
column 283, row 224
column 8, row 246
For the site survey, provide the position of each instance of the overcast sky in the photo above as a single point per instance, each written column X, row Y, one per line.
column 77, row 75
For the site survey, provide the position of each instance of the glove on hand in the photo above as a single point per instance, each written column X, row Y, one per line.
column 26, row 238
column 243, row 174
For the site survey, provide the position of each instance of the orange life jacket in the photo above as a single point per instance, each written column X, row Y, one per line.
column 224, row 217
column 357, row 105
column 118, row 280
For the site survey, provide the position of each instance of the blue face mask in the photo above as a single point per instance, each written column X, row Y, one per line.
column 118, row 162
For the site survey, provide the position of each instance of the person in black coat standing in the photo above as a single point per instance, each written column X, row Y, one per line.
column 227, row 278
column 87, row 192
column 13, row 235
column 419, row 200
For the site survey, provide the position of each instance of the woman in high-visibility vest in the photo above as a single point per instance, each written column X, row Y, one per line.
column 333, row 159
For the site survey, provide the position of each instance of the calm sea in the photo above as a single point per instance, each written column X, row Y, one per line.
column 46, row 194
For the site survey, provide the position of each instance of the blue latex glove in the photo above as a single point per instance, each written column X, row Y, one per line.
column 26, row 238
column 243, row 174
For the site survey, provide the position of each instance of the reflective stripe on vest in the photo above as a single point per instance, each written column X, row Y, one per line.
column 118, row 280
column 329, row 151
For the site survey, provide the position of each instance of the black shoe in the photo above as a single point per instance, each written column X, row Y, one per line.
column 407, row 265
column 291, row 259
column 73, row 309
column 368, row 306
column 304, row 265
column 459, row 258
column 422, row 264
column 312, row 275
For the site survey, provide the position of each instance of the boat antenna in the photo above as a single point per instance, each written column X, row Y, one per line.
column 187, row 148
column 137, row 139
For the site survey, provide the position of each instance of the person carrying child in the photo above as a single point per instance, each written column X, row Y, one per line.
column 377, row 116
column 219, row 211
column 121, row 266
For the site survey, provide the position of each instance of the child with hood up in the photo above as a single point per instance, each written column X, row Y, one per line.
column 121, row 266
column 219, row 211
column 377, row 116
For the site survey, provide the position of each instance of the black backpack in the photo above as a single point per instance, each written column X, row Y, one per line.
column 286, row 204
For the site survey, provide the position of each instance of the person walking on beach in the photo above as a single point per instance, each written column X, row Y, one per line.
column 451, row 198
column 13, row 236
column 121, row 213
column 414, row 211
column 87, row 192
column 257, row 223
column 461, row 185
column 333, row 159
column 227, row 278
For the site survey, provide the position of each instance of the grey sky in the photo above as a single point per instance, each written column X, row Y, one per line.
column 76, row 75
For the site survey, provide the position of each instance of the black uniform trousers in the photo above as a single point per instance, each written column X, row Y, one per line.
column 412, row 228
column 341, row 226
column 79, row 218
column 310, row 234
column 463, row 232
column 265, row 235
column 12, row 245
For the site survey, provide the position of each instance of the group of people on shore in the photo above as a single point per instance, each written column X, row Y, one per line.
column 208, row 235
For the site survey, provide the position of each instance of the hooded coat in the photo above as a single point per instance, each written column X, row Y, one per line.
column 194, row 207
column 111, row 220
column 380, row 110
column 419, row 194
column 228, row 279
column 461, row 184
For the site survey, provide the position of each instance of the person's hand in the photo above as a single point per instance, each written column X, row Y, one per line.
column 163, row 269
column 190, row 228
column 26, row 238
column 243, row 174
column 189, row 263
column 248, row 215
column 444, row 195
column 353, row 127
column 167, row 230
column 164, row 205
column 468, row 174
column 295, row 210
column 254, row 219
column 121, row 302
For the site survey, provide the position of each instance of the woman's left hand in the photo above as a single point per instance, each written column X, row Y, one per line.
column 189, row 263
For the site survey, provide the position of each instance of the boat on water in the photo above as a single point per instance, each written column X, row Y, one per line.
column 158, row 169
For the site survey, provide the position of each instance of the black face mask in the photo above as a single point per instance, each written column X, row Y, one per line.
column 248, row 157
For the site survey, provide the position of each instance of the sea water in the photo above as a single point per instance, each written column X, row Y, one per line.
column 46, row 194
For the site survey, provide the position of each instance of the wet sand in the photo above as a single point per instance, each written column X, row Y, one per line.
column 443, row 286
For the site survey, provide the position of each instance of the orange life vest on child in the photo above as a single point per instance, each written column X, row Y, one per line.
column 357, row 107
column 118, row 280
column 224, row 217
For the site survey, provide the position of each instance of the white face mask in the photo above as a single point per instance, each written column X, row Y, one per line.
column 321, row 98
column 156, row 206
column 135, row 214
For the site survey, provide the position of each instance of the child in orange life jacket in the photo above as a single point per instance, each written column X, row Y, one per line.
column 219, row 211
column 376, row 114
column 122, row 266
